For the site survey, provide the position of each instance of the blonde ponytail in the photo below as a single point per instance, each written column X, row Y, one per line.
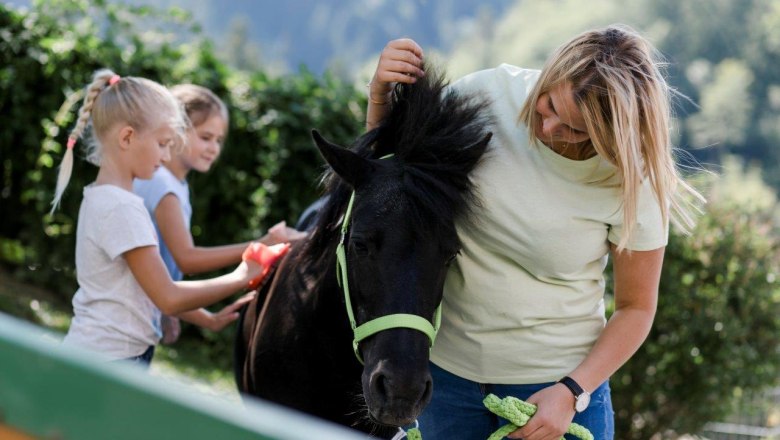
column 100, row 80
column 63, row 177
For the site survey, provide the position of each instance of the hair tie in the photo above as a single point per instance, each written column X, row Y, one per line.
column 71, row 143
column 113, row 80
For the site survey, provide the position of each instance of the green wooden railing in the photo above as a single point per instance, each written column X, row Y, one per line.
column 48, row 391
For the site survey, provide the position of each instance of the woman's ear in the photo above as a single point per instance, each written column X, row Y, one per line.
column 126, row 135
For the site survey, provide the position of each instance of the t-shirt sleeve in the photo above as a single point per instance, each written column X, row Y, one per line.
column 126, row 227
column 153, row 190
column 651, row 231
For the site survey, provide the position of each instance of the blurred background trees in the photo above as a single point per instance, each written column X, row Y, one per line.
column 717, row 333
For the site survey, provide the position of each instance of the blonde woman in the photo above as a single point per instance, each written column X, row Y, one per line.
column 580, row 169
column 123, row 283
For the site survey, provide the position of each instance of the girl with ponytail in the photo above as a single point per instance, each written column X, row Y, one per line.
column 123, row 282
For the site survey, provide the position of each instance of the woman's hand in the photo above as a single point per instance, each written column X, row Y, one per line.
column 554, row 413
column 400, row 61
column 230, row 313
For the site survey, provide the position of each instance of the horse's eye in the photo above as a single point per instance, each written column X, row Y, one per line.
column 360, row 247
column 452, row 258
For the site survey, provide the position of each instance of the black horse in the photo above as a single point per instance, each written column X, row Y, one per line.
column 295, row 343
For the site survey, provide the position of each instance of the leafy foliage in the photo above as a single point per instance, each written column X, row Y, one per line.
column 728, row 70
column 716, row 335
column 267, row 172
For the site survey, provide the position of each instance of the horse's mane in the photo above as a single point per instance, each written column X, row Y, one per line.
column 432, row 131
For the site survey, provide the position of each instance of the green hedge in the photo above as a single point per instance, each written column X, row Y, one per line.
column 716, row 335
column 267, row 172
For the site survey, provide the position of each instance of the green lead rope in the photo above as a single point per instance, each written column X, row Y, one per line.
column 511, row 408
column 518, row 412
column 414, row 434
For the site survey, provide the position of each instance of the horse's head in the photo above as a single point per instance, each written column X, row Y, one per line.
column 401, row 236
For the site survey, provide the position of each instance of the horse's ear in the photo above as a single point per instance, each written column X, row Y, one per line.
column 481, row 145
column 348, row 165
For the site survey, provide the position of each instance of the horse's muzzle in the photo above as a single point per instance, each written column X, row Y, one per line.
column 396, row 396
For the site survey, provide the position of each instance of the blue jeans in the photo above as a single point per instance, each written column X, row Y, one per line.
column 143, row 360
column 456, row 410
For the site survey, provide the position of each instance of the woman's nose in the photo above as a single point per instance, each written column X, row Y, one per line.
column 549, row 125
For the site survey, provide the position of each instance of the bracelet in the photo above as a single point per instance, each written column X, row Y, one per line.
column 371, row 99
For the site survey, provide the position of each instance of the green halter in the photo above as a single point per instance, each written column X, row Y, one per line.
column 398, row 320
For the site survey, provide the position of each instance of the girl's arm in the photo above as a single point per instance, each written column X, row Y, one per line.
column 193, row 259
column 636, row 275
column 177, row 297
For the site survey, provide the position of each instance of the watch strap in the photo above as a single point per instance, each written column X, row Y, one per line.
column 572, row 385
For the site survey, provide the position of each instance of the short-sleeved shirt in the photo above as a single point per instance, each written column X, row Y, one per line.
column 112, row 313
column 523, row 303
column 162, row 183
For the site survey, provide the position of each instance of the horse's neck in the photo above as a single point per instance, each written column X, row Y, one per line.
column 317, row 280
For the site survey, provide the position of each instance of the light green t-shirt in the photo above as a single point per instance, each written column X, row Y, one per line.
column 523, row 303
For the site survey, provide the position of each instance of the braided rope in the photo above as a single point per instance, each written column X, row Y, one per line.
column 511, row 408
column 414, row 434
column 411, row 434
column 518, row 412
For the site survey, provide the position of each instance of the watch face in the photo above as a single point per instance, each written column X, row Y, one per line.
column 583, row 400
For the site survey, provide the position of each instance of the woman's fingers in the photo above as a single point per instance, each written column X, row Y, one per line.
column 400, row 61
column 406, row 44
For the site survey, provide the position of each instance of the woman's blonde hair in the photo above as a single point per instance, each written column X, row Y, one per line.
column 109, row 100
column 619, row 89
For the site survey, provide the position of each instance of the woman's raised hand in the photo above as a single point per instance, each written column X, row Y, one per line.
column 400, row 61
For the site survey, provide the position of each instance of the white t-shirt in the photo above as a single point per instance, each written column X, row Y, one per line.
column 112, row 313
column 523, row 303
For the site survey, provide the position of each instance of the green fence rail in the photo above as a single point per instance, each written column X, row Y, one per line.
column 48, row 391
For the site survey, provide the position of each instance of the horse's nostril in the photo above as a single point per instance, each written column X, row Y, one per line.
column 380, row 386
column 426, row 396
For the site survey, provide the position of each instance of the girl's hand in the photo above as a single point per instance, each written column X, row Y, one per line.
column 400, row 61
column 171, row 329
column 230, row 313
column 281, row 233
column 554, row 413
column 258, row 259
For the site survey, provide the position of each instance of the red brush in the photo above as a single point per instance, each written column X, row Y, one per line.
column 265, row 256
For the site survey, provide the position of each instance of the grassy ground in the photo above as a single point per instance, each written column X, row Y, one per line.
column 185, row 362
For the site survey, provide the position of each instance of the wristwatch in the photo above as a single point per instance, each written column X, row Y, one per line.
column 581, row 397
